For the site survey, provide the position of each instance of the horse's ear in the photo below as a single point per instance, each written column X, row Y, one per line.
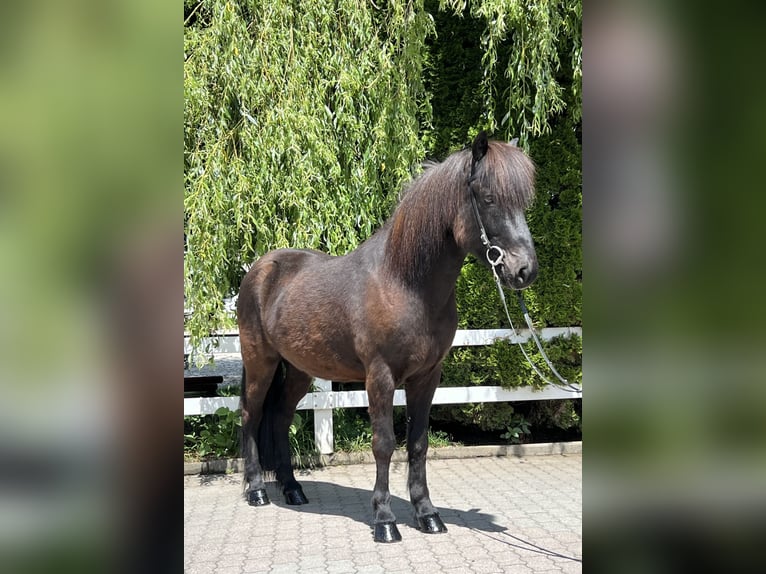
column 480, row 145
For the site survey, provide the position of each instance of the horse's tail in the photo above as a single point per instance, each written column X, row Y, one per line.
column 242, row 400
column 244, row 430
column 268, row 451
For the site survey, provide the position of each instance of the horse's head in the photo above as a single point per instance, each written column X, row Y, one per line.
column 500, row 187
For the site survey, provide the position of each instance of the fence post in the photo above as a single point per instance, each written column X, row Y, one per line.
column 323, row 437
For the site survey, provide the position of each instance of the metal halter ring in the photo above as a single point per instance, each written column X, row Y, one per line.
column 498, row 260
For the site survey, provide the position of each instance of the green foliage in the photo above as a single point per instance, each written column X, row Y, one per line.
column 523, row 77
column 555, row 221
column 503, row 364
column 453, row 76
column 559, row 414
column 484, row 416
column 301, row 124
column 517, row 429
column 351, row 432
column 218, row 436
column 437, row 438
column 301, row 436
column 212, row 436
column 230, row 390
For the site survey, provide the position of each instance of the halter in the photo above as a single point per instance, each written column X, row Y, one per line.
column 484, row 239
column 495, row 262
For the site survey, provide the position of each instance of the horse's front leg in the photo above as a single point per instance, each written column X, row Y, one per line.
column 380, row 387
column 420, row 393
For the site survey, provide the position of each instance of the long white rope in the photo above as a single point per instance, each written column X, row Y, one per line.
column 564, row 384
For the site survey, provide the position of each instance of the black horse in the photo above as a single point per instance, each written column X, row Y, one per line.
column 384, row 314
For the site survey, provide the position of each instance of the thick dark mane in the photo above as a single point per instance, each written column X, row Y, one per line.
column 431, row 203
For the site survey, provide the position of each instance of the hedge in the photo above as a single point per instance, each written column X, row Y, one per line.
column 555, row 219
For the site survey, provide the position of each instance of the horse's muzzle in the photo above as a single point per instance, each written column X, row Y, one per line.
column 518, row 272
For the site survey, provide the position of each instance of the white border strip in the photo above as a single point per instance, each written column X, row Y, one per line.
column 358, row 399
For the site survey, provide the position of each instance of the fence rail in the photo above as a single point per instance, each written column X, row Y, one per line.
column 324, row 399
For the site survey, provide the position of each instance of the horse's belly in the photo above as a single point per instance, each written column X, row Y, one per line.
column 326, row 353
column 318, row 346
column 324, row 363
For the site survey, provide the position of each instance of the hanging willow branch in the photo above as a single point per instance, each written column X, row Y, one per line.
column 523, row 40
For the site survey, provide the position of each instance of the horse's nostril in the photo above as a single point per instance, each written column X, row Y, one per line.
column 524, row 273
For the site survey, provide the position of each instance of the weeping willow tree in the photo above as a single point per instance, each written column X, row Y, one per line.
column 303, row 119
column 521, row 45
column 301, row 122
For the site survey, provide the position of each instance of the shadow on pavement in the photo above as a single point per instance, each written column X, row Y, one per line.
column 338, row 500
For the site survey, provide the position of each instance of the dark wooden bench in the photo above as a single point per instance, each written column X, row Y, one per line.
column 202, row 386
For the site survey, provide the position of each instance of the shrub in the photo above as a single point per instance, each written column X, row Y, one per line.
column 212, row 436
column 218, row 436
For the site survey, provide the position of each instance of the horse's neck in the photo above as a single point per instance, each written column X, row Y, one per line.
column 436, row 284
column 439, row 284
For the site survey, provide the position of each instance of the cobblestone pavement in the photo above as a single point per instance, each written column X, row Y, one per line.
column 504, row 514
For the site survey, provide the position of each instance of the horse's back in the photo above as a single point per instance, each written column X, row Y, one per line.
column 269, row 275
column 287, row 261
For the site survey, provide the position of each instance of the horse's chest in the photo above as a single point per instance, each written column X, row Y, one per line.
column 419, row 344
column 428, row 350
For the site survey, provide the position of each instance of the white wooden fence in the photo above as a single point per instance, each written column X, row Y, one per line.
column 324, row 400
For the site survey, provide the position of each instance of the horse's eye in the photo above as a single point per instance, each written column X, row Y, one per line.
column 489, row 199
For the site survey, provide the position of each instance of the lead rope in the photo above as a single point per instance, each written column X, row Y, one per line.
column 493, row 263
column 548, row 362
column 564, row 384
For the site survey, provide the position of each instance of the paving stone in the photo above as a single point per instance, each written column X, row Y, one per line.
column 504, row 514
column 200, row 567
column 341, row 567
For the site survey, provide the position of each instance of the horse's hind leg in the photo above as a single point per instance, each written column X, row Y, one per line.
column 296, row 385
column 419, row 396
column 259, row 371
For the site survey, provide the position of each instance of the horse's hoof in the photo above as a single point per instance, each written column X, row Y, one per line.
column 258, row 497
column 431, row 524
column 387, row 532
column 295, row 497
